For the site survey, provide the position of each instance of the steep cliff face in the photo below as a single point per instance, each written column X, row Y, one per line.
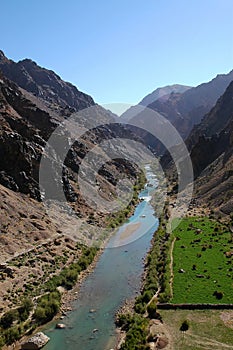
column 183, row 110
column 33, row 103
column 216, row 120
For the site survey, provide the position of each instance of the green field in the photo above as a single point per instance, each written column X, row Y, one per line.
column 199, row 250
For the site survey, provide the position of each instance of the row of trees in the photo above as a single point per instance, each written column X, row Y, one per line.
column 158, row 271
column 136, row 327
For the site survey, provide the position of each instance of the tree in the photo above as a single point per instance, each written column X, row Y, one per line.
column 218, row 295
column 185, row 326
column 12, row 334
column 152, row 309
column 24, row 309
column 40, row 315
column 8, row 318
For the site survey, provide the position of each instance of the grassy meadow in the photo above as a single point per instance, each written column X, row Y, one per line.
column 202, row 265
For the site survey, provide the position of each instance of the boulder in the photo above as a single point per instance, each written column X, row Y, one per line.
column 60, row 326
column 161, row 343
column 35, row 342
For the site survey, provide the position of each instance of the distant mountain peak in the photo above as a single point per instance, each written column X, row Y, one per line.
column 2, row 54
column 3, row 58
column 163, row 91
column 28, row 61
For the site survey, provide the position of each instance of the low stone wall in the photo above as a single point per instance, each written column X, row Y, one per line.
column 167, row 306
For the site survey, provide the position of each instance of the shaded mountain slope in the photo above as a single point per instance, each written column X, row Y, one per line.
column 45, row 84
column 211, row 145
column 211, row 149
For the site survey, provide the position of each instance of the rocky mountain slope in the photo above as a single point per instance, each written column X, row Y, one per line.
column 183, row 110
column 211, row 146
column 45, row 84
column 187, row 109
column 38, row 241
column 27, row 119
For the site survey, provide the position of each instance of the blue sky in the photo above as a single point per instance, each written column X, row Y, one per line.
column 121, row 50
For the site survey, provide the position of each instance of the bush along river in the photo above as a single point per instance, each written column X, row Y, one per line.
column 116, row 278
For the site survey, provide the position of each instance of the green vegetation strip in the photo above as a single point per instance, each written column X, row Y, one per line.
column 157, row 271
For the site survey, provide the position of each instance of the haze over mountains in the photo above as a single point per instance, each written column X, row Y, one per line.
column 186, row 109
column 163, row 92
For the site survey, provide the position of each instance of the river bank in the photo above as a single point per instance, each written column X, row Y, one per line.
column 68, row 296
column 116, row 278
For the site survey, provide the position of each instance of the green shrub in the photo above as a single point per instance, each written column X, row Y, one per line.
column 136, row 337
column 24, row 309
column 12, row 334
column 47, row 307
column 8, row 318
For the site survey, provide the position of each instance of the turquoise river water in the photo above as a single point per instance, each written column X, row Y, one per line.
column 116, row 277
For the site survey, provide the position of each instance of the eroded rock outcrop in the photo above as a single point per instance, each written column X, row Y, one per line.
column 36, row 342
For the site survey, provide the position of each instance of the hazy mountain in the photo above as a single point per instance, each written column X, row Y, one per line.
column 182, row 110
column 187, row 109
column 163, row 92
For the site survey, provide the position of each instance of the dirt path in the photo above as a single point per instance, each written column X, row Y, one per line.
column 209, row 343
column 171, row 267
column 25, row 251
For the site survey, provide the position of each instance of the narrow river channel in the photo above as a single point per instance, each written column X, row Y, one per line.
column 116, row 277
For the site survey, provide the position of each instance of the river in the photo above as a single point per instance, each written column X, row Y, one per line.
column 116, row 277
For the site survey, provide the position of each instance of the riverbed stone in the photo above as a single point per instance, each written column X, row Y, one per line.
column 36, row 342
column 60, row 326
